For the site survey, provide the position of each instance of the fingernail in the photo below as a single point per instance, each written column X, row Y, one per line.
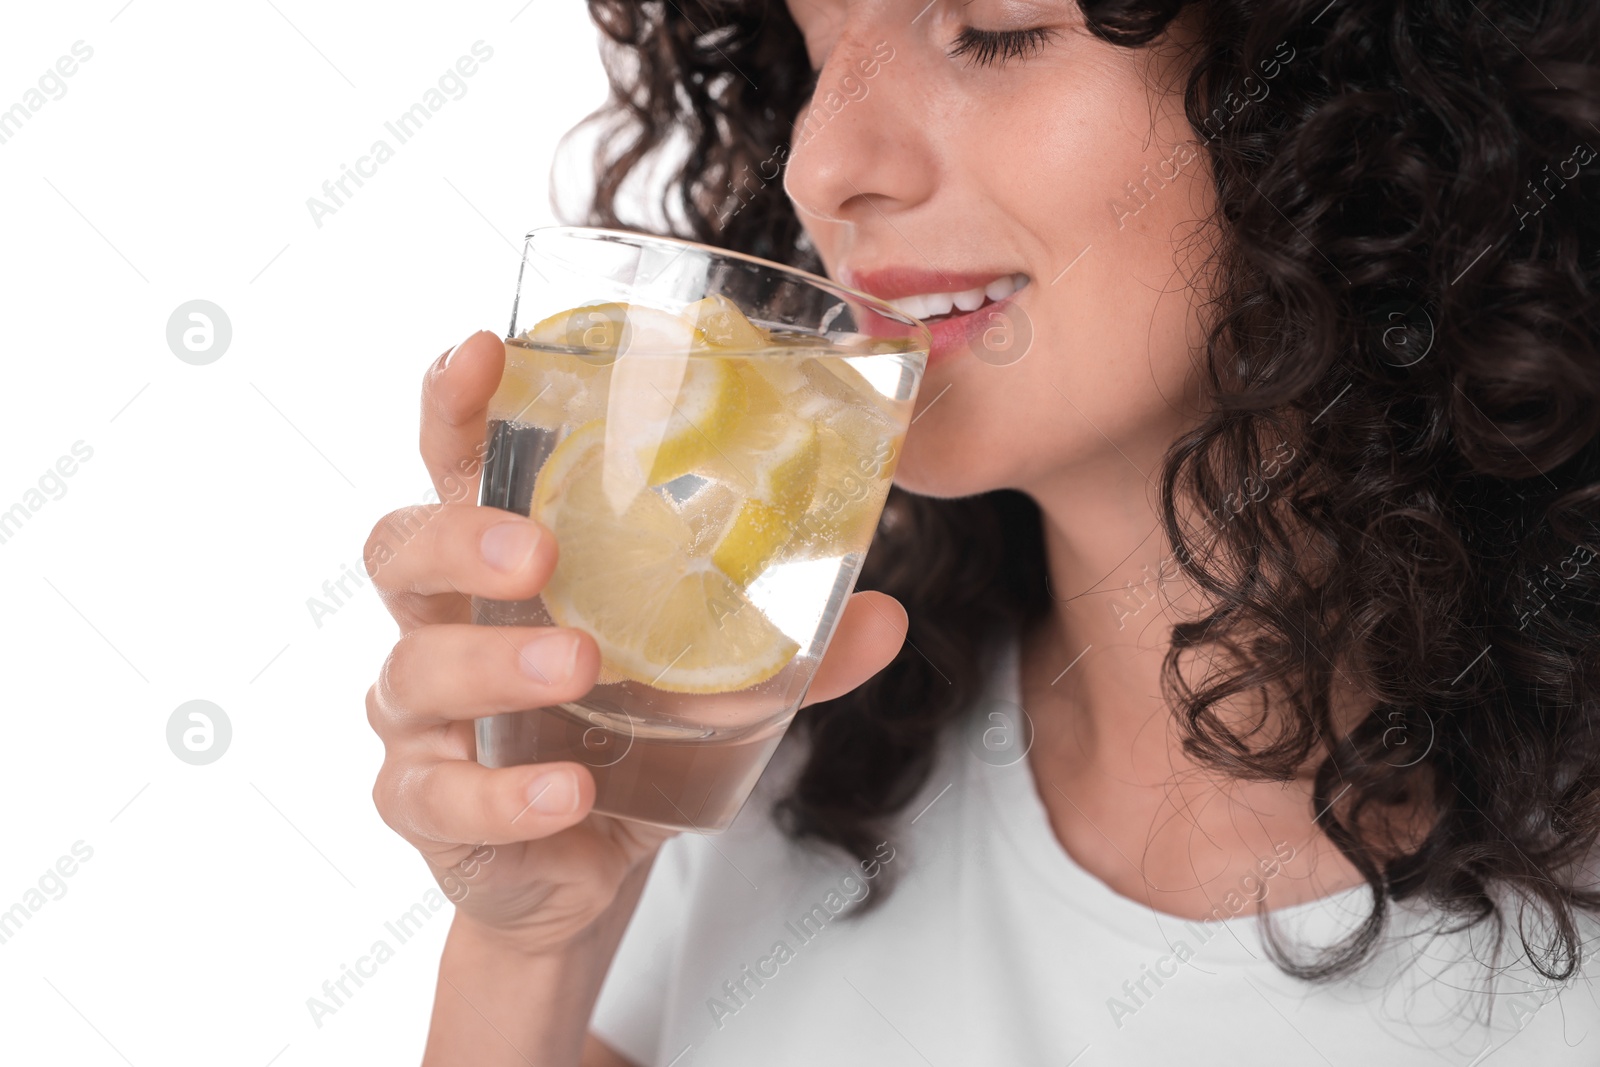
column 448, row 356
column 550, row 659
column 509, row 546
column 553, row 793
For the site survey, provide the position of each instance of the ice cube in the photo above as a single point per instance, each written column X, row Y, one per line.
column 721, row 323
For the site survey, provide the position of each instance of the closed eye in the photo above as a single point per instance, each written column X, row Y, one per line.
column 995, row 47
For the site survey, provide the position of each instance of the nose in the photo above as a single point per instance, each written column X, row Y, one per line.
column 859, row 147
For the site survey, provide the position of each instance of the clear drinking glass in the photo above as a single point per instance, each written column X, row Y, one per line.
column 711, row 438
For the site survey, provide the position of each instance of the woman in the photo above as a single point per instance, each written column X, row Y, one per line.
column 1241, row 706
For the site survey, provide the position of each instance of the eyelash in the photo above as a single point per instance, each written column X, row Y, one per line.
column 988, row 47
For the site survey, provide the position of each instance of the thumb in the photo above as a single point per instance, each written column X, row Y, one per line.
column 869, row 636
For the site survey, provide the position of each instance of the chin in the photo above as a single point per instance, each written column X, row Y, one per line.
column 943, row 465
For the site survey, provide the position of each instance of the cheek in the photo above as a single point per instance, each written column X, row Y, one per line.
column 1103, row 201
column 1124, row 237
column 1109, row 379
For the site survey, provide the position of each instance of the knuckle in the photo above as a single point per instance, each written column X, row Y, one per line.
column 396, row 795
column 388, row 536
column 375, row 717
column 416, row 801
column 374, row 548
column 384, row 795
column 397, row 679
column 414, row 527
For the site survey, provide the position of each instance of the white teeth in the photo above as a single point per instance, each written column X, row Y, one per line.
column 971, row 300
column 932, row 305
column 909, row 305
column 1001, row 288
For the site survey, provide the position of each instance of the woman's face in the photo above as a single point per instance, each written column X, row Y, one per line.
column 936, row 160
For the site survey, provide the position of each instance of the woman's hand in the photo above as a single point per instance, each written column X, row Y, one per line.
column 516, row 848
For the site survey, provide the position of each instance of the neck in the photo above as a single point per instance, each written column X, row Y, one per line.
column 1115, row 596
column 1125, row 799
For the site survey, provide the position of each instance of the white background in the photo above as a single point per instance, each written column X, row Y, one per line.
column 178, row 563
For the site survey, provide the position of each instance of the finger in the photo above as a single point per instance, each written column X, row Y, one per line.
column 455, row 414
column 450, row 672
column 869, row 636
column 461, row 802
column 459, row 548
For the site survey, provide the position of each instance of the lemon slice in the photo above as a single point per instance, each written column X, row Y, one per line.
column 602, row 331
column 683, row 432
column 558, row 371
column 859, row 432
column 783, row 479
column 852, row 482
column 716, row 394
column 659, row 614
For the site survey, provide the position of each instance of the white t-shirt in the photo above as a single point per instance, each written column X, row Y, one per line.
column 995, row 947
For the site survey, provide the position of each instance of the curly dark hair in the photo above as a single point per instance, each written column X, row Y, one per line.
column 1407, row 301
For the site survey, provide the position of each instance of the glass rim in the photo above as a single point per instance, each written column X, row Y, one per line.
column 878, row 305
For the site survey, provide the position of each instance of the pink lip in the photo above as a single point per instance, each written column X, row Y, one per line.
column 891, row 283
column 951, row 334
